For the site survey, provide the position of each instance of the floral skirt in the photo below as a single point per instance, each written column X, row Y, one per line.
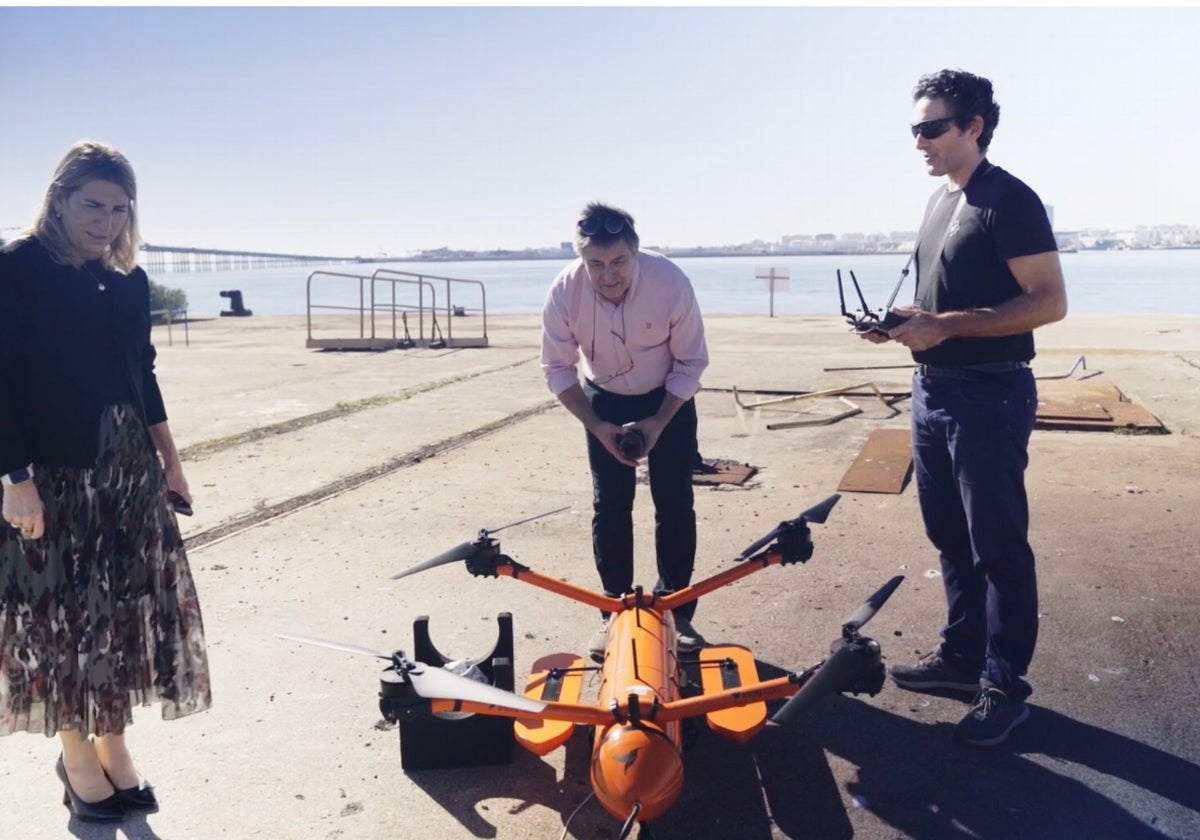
column 101, row 613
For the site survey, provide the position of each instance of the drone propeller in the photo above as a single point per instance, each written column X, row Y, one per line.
column 838, row 670
column 528, row 519
column 817, row 513
column 438, row 683
column 342, row 646
column 462, row 551
column 871, row 606
column 467, row 550
column 433, row 683
column 846, row 664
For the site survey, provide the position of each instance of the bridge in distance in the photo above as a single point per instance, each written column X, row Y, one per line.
column 178, row 258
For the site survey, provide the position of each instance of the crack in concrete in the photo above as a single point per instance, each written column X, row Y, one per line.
column 257, row 517
column 209, row 447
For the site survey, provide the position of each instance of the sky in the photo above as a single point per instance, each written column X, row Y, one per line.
column 370, row 131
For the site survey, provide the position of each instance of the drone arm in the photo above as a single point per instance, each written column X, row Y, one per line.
column 721, row 579
column 575, row 713
column 702, row 704
column 560, row 587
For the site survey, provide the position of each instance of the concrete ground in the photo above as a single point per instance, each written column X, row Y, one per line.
column 318, row 475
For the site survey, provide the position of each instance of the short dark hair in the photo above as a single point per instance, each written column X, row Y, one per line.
column 603, row 217
column 967, row 96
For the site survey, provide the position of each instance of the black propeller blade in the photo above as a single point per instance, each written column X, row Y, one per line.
column 466, row 551
column 528, row 519
column 462, row 551
column 867, row 611
column 845, row 665
column 839, row 670
column 817, row 513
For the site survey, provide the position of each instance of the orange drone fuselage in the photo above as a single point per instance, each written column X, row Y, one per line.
column 638, row 761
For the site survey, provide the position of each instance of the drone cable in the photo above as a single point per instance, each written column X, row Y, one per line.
column 567, row 824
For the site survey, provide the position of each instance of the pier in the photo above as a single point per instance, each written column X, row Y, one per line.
column 160, row 258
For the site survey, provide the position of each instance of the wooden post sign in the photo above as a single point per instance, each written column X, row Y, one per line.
column 777, row 278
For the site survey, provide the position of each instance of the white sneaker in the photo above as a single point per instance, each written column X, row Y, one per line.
column 598, row 642
column 687, row 639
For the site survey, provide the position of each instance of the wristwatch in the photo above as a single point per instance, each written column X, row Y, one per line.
column 17, row 476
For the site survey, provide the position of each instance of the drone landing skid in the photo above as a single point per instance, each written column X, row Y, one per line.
column 557, row 677
column 723, row 668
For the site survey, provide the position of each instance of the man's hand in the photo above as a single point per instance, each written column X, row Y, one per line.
column 921, row 331
column 873, row 336
column 607, row 434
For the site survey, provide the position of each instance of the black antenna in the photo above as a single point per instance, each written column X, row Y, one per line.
column 866, row 310
column 842, row 295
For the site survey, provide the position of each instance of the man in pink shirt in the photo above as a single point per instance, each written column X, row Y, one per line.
column 631, row 317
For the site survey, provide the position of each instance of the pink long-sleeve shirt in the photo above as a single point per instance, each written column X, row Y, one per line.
column 653, row 337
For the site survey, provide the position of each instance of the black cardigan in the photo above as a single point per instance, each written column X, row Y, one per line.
column 63, row 341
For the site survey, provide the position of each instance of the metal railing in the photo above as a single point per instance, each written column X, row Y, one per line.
column 386, row 298
column 451, row 285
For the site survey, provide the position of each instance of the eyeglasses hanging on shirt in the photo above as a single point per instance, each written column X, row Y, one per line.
column 618, row 345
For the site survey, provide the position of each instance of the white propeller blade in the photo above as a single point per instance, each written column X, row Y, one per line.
column 435, row 683
column 438, row 683
column 342, row 646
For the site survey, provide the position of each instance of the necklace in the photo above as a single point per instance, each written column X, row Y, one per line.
column 99, row 281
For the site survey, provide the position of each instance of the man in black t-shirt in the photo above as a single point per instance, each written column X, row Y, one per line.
column 988, row 274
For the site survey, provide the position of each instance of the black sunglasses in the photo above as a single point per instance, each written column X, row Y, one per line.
column 932, row 129
column 611, row 222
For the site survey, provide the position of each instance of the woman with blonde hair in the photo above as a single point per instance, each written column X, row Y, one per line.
column 98, row 609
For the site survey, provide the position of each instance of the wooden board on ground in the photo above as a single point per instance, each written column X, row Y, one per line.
column 721, row 471
column 1089, row 404
column 883, row 464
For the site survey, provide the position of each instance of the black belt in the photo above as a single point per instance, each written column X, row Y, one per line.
column 975, row 372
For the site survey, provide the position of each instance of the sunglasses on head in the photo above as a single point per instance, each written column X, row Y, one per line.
column 931, row 129
column 611, row 223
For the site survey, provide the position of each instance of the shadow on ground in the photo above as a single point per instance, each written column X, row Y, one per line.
column 1056, row 778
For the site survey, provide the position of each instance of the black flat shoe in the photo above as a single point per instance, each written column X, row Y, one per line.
column 111, row 809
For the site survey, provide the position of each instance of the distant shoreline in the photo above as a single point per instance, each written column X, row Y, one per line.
column 692, row 253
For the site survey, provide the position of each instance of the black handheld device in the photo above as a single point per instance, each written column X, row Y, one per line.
column 179, row 503
column 631, row 443
column 870, row 320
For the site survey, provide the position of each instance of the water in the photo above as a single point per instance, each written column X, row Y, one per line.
column 1098, row 282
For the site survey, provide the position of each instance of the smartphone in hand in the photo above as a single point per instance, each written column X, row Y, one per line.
column 179, row 503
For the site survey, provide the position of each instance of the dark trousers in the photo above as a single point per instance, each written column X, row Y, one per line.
column 613, row 485
column 970, row 449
